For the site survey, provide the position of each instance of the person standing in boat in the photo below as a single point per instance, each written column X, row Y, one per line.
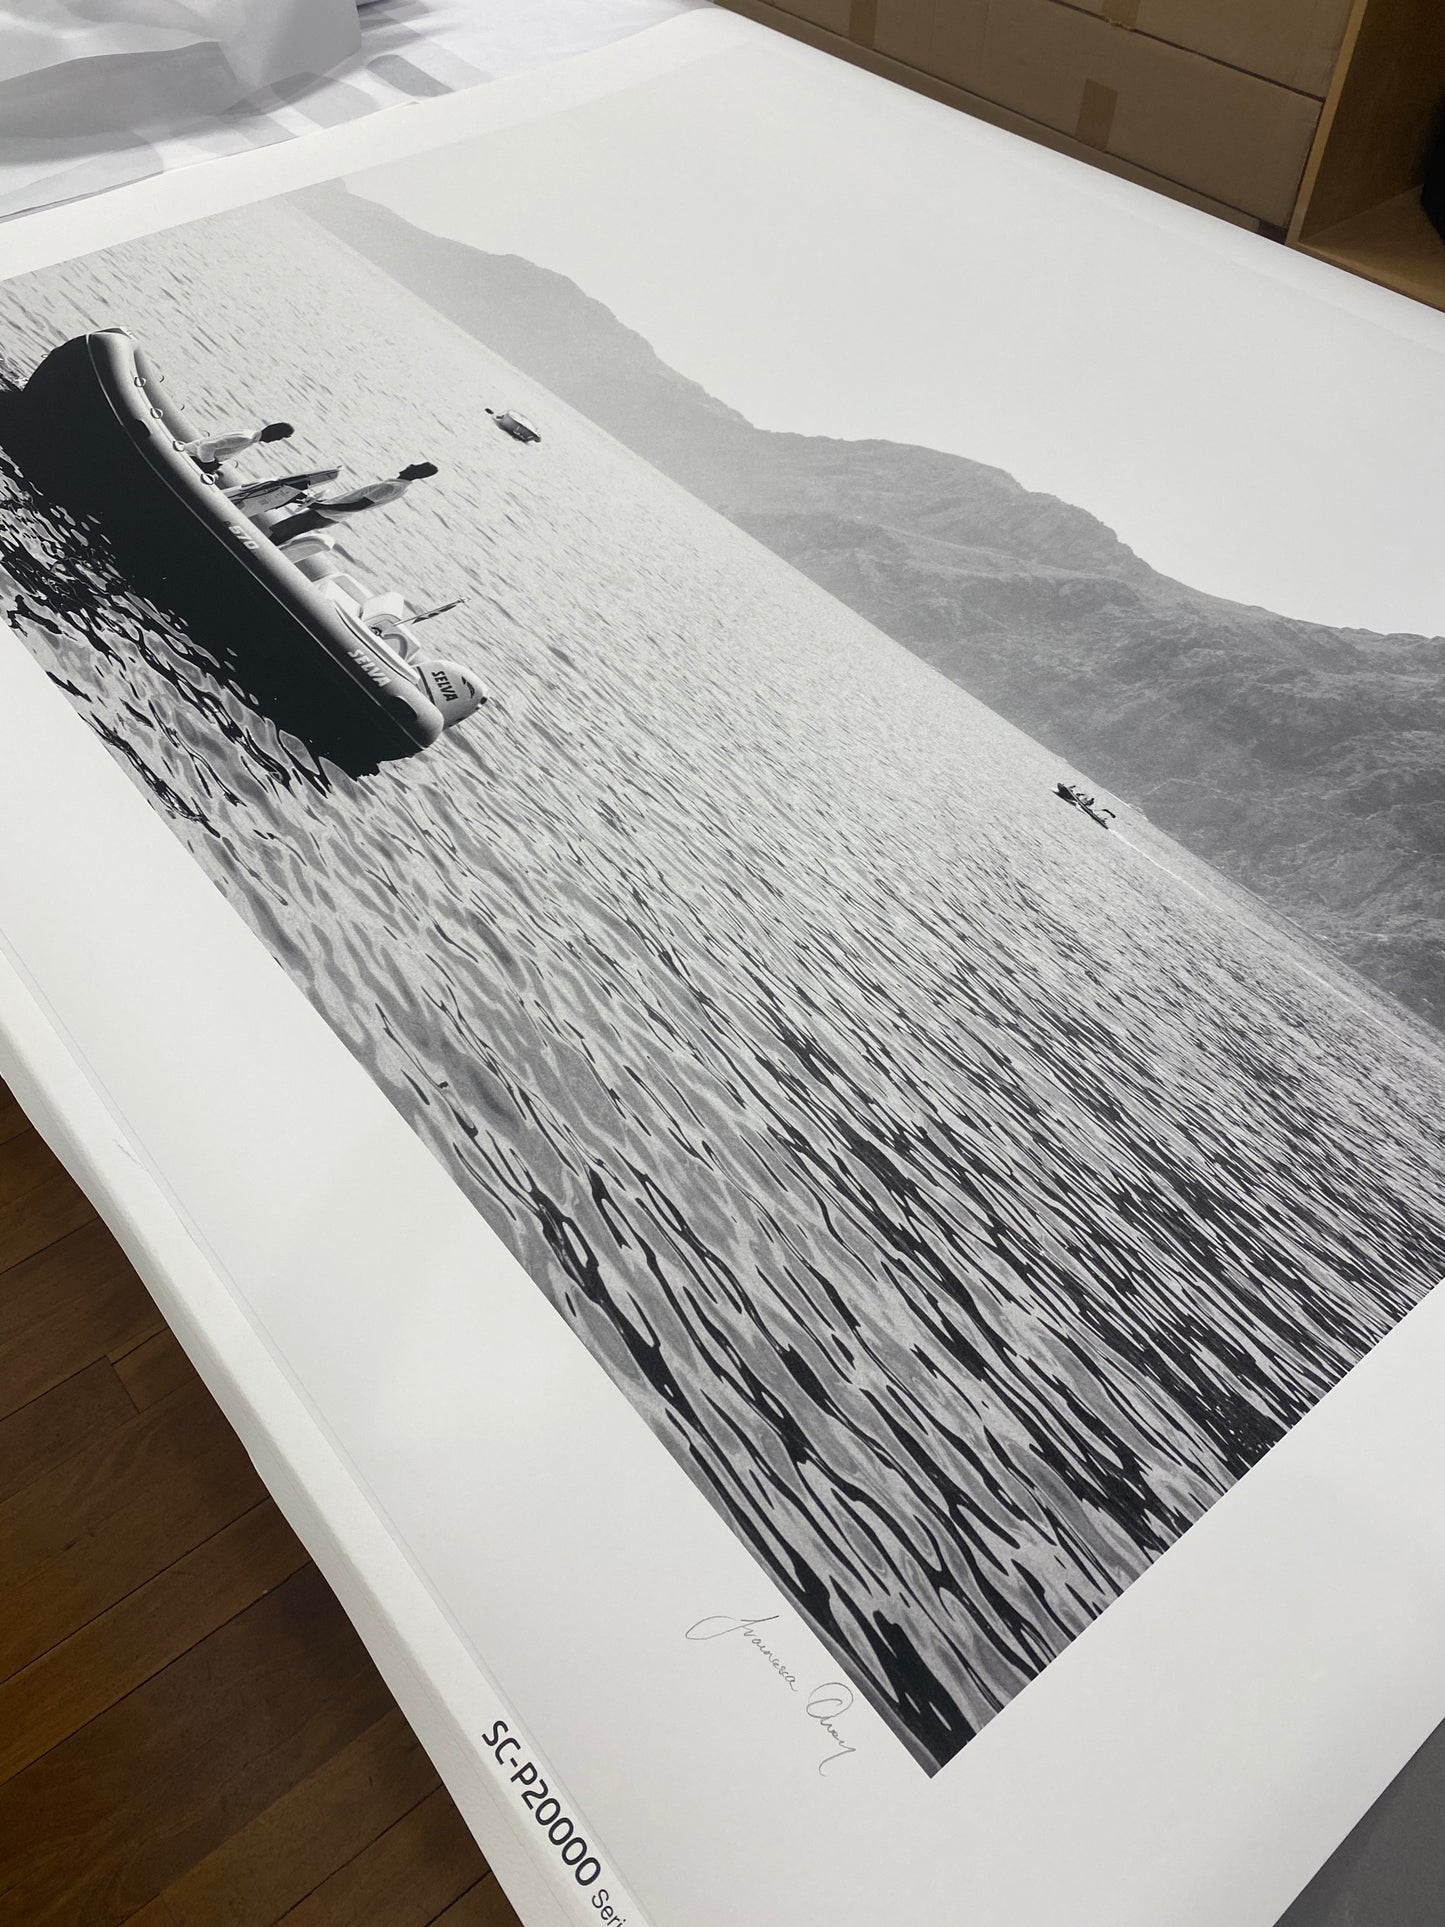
column 327, row 510
column 215, row 451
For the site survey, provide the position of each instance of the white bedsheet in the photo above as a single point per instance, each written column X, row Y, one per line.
column 117, row 90
column 258, row 40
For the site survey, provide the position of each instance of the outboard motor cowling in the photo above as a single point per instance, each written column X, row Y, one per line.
column 455, row 691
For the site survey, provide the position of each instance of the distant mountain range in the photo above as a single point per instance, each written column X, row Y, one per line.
column 1307, row 763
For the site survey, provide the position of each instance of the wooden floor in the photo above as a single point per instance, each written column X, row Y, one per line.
column 191, row 1734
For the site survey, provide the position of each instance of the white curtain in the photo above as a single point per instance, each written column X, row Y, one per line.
column 61, row 58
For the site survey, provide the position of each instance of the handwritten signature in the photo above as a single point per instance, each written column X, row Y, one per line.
column 826, row 1704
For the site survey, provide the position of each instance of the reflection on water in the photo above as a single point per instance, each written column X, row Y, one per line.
column 965, row 1195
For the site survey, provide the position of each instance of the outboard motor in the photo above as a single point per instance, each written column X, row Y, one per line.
column 455, row 691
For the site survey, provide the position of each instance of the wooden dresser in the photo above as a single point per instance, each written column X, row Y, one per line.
column 1309, row 120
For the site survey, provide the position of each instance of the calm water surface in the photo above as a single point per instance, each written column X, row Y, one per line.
column 967, row 1197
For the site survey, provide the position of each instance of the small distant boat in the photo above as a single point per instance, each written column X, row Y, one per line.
column 515, row 425
column 94, row 428
column 1071, row 793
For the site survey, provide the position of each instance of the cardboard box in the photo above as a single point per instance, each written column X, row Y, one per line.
column 838, row 16
column 942, row 37
column 1223, row 133
column 1294, row 42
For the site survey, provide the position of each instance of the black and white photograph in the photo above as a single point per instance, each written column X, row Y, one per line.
column 899, row 882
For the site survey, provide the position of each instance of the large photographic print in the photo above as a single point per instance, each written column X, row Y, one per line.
column 967, row 1179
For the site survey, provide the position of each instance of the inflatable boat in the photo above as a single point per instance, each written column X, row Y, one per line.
column 94, row 428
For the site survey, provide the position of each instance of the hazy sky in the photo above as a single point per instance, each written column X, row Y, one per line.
column 835, row 256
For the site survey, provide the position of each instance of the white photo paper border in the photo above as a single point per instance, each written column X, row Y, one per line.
column 511, row 1540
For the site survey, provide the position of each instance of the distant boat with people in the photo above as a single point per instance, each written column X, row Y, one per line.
column 256, row 565
column 1071, row 793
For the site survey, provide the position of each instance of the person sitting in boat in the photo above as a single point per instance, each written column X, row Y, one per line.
column 215, row 451
column 329, row 509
